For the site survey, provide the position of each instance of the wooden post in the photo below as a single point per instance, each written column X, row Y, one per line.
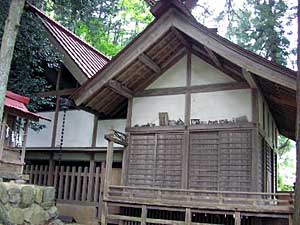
column 143, row 215
column 237, row 218
column 24, row 144
column 2, row 137
column 108, row 170
column 51, row 170
column 95, row 130
column 55, row 120
column 104, row 212
column 296, row 216
column 91, row 178
column 11, row 28
column 188, row 216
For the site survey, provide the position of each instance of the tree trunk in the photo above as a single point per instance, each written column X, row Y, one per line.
column 7, row 46
column 296, row 215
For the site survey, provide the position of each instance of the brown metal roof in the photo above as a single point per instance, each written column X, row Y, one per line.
column 88, row 59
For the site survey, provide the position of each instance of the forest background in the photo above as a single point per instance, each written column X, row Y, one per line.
column 266, row 27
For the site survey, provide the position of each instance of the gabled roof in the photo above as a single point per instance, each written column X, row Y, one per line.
column 162, row 44
column 77, row 53
column 16, row 104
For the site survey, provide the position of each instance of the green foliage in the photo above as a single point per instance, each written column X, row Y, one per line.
column 285, row 146
column 259, row 27
column 33, row 54
column 106, row 25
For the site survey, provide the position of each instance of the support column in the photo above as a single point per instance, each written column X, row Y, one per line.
column 91, row 177
column 51, row 170
column 2, row 137
column 144, row 215
column 237, row 218
column 188, row 216
column 26, row 125
column 108, row 169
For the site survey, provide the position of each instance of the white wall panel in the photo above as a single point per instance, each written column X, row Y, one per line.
column 145, row 109
column 173, row 77
column 203, row 73
column 221, row 105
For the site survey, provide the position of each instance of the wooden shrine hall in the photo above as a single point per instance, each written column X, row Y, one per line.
column 201, row 117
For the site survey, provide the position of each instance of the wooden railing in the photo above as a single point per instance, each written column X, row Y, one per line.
column 222, row 200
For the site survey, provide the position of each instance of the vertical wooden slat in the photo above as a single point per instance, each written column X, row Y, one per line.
column 97, row 188
column 84, row 185
column 144, row 215
column 46, row 174
column 55, row 178
column 72, row 185
column 78, row 184
column 108, row 170
column 2, row 137
column 100, row 196
column 31, row 174
column 51, row 170
column 91, row 177
column 24, row 141
column 40, row 174
column 124, row 175
column 237, row 218
column 61, row 183
column 35, row 179
column 95, row 129
column 188, row 216
column 129, row 113
column 154, row 160
column 66, row 185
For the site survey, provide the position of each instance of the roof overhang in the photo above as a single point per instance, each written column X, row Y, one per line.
column 97, row 93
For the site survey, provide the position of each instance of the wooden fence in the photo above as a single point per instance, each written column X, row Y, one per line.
column 74, row 184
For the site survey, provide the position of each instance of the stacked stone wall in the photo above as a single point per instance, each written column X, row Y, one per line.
column 27, row 204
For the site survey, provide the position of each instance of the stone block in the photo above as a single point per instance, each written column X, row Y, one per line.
column 15, row 216
column 3, row 194
column 35, row 215
column 38, row 195
column 27, row 196
column 49, row 194
column 53, row 212
column 14, row 195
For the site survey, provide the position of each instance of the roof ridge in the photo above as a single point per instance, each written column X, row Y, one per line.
column 42, row 15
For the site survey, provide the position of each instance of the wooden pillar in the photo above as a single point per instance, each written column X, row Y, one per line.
column 296, row 215
column 26, row 125
column 55, row 120
column 91, row 177
column 108, row 169
column 144, row 215
column 188, row 216
column 2, row 138
column 95, row 130
column 104, row 213
column 186, row 146
column 237, row 218
column 51, row 170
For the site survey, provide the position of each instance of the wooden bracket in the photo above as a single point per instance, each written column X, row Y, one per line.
column 120, row 88
column 149, row 62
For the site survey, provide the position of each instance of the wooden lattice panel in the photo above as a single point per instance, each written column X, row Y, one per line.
column 168, row 160
column 203, row 168
column 235, row 161
column 141, row 160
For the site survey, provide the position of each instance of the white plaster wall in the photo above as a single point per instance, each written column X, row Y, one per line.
column 78, row 129
column 104, row 127
column 221, row 105
column 173, row 77
column 145, row 109
column 203, row 73
column 41, row 138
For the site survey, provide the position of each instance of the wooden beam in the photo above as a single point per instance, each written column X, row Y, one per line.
column 119, row 88
column 68, row 91
column 193, row 89
column 149, row 62
column 253, row 63
column 25, row 134
column 249, row 78
column 95, row 130
column 124, row 58
column 108, row 169
column 144, row 215
column 237, row 218
column 213, row 56
column 2, row 137
column 180, row 37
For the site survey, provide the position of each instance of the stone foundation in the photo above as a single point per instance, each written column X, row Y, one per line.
column 27, row 204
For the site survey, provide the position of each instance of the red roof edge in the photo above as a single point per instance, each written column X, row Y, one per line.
column 19, row 98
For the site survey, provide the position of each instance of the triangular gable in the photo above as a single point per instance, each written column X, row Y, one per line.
column 81, row 59
column 173, row 77
column 204, row 73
